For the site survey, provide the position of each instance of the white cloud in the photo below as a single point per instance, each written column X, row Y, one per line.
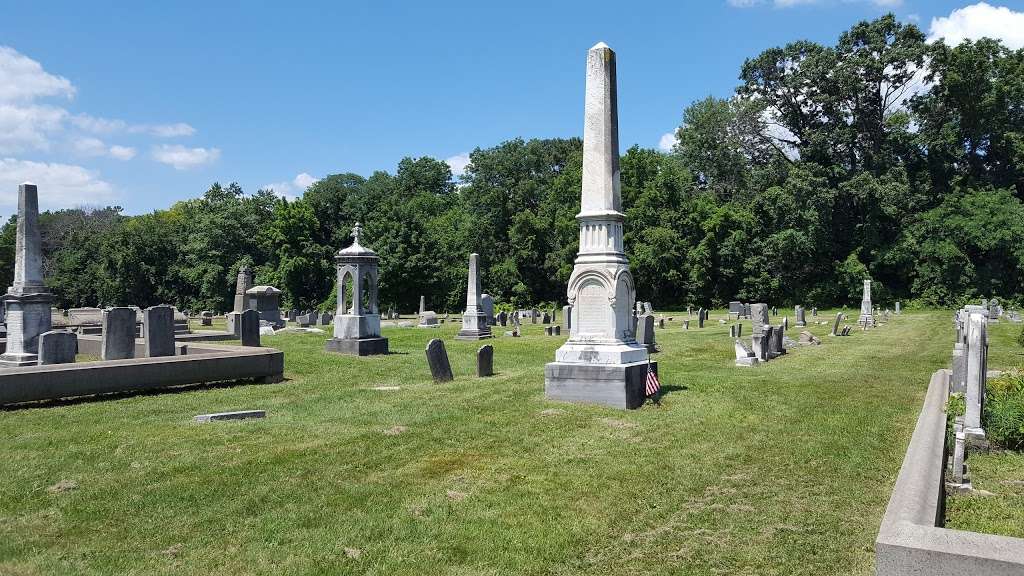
column 744, row 3
column 22, row 79
column 183, row 158
column 89, row 147
column 292, row 189
column 122, row 152
column 978, row 21
column 60, row 185
column 303, row 181
column 667, row 141
column 458, row 163
column 28, row 127
column 164, row 130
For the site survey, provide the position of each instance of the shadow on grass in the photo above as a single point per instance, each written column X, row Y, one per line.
column 134, row 393
column 670, row 388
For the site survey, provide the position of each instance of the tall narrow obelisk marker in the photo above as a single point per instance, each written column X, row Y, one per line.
column 866, row 316
column 474, row 319
column 27, row 300
column 601, row 362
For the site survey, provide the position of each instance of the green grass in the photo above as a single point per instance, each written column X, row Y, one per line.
column 782, row 469
column 999, row 474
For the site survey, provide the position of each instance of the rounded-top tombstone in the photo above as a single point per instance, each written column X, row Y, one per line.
column 357, row 322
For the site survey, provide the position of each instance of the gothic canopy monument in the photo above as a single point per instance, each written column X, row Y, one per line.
column 601, row 361
column 357, row 322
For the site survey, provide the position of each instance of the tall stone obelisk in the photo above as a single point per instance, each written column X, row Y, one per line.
column 243, row 283
column 27, row 300
column 866, row 317
column 601, row 361
column 474, row 319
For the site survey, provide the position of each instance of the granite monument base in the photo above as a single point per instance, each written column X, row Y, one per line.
column 28, row 316
column 357, row 347
column 615, row 385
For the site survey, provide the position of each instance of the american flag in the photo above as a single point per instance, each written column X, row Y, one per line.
column 653, row 387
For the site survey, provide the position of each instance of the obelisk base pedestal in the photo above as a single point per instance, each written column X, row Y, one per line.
column 28, row 316
column 358, row 346
column 616, row 385
column 474, row 327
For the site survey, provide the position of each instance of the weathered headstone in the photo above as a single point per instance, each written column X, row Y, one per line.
column 759, row 317
column 700, row 318
column 814, row 312
column 801, row 316
column 118, row 340
column 158, row 330
column 759, row 345
column 897, row 307
column 958, row 378
column 250, row 328
column 686, row 324
column 232, row 319
column 785, row 323
column 546, row 318
column 549, row 330
column 485, row 361
column 771, row 342
column 503, row 318
column 645, row 332
column 835, row 324
column 437, row 358
column 567, row 317
column 732, row 331
column 744, row 355
column 977, row 369
column 487, row 305
column 739, row 330
column 326, row 318
column 57, row 347
column 808, row 338
column 205, row 318
column 558, row 330
column 736, row 307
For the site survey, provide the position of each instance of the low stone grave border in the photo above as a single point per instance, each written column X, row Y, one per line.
column 912, row 540
column 200, row 365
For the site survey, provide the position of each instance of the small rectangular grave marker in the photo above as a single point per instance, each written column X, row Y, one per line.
column 239, row 415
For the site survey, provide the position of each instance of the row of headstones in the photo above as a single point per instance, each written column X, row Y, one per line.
column 441, row 368
column 766, row 342
column 310, row 318
column 968, row 377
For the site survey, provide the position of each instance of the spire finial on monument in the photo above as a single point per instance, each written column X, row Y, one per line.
column 356, row 231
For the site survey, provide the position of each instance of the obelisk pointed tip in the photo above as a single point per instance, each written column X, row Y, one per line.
column 600, row 46
column 27, row 183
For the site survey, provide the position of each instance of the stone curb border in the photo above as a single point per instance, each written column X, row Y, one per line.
column 911, row 540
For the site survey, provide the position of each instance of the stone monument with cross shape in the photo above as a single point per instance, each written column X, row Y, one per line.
column 357, row 321
column 601, row 362
column 27, row 299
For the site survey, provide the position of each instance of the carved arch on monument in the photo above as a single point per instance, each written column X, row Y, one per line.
column 346, row 290
column 577, row 281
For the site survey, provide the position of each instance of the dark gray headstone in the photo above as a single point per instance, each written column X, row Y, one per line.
column 558, row 330
column 437, row 358
column 233, row 320
column 835, row 324
column 645, row 331
column 700, row 318
column 567, row 317
column 759, row 317
column 118, row 334
column 326, row 318
column 546, row 318
column 292, row 315
column 549, row 330
column 485, row 361
column 158, row 330
column 250, row 328
column 503, row 318
column 686, row 324
column 732, row 331
column 57, row 347
column 759, row 345
column 739, row 330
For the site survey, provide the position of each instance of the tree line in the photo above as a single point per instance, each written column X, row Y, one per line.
column 882, row 156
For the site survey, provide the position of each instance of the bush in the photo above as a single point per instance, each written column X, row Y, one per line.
column 1020, row 337
column 1004, row 410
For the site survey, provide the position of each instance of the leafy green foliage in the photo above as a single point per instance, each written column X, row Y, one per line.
column 1004, row 410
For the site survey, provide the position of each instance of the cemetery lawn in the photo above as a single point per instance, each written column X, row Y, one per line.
column 777, row 470
column 999, row 473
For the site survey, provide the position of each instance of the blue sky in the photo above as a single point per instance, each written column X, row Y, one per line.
column 142, row 104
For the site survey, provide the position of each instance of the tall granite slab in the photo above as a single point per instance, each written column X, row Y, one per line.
column 977, row 368
column 567, row 317
column 357, row 319
column 249, row 332
column 759, row 345
column 437, row 359
column 645, row 332
column 835, row 324
column 118, row 334
column 158, row 330
column 474, row 319
column 801, row 316
column 487, row 305
column 601, row 362
column 27, row 301
column 57, row 347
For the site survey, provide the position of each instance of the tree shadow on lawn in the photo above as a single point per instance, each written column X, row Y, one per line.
column 134, row 393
